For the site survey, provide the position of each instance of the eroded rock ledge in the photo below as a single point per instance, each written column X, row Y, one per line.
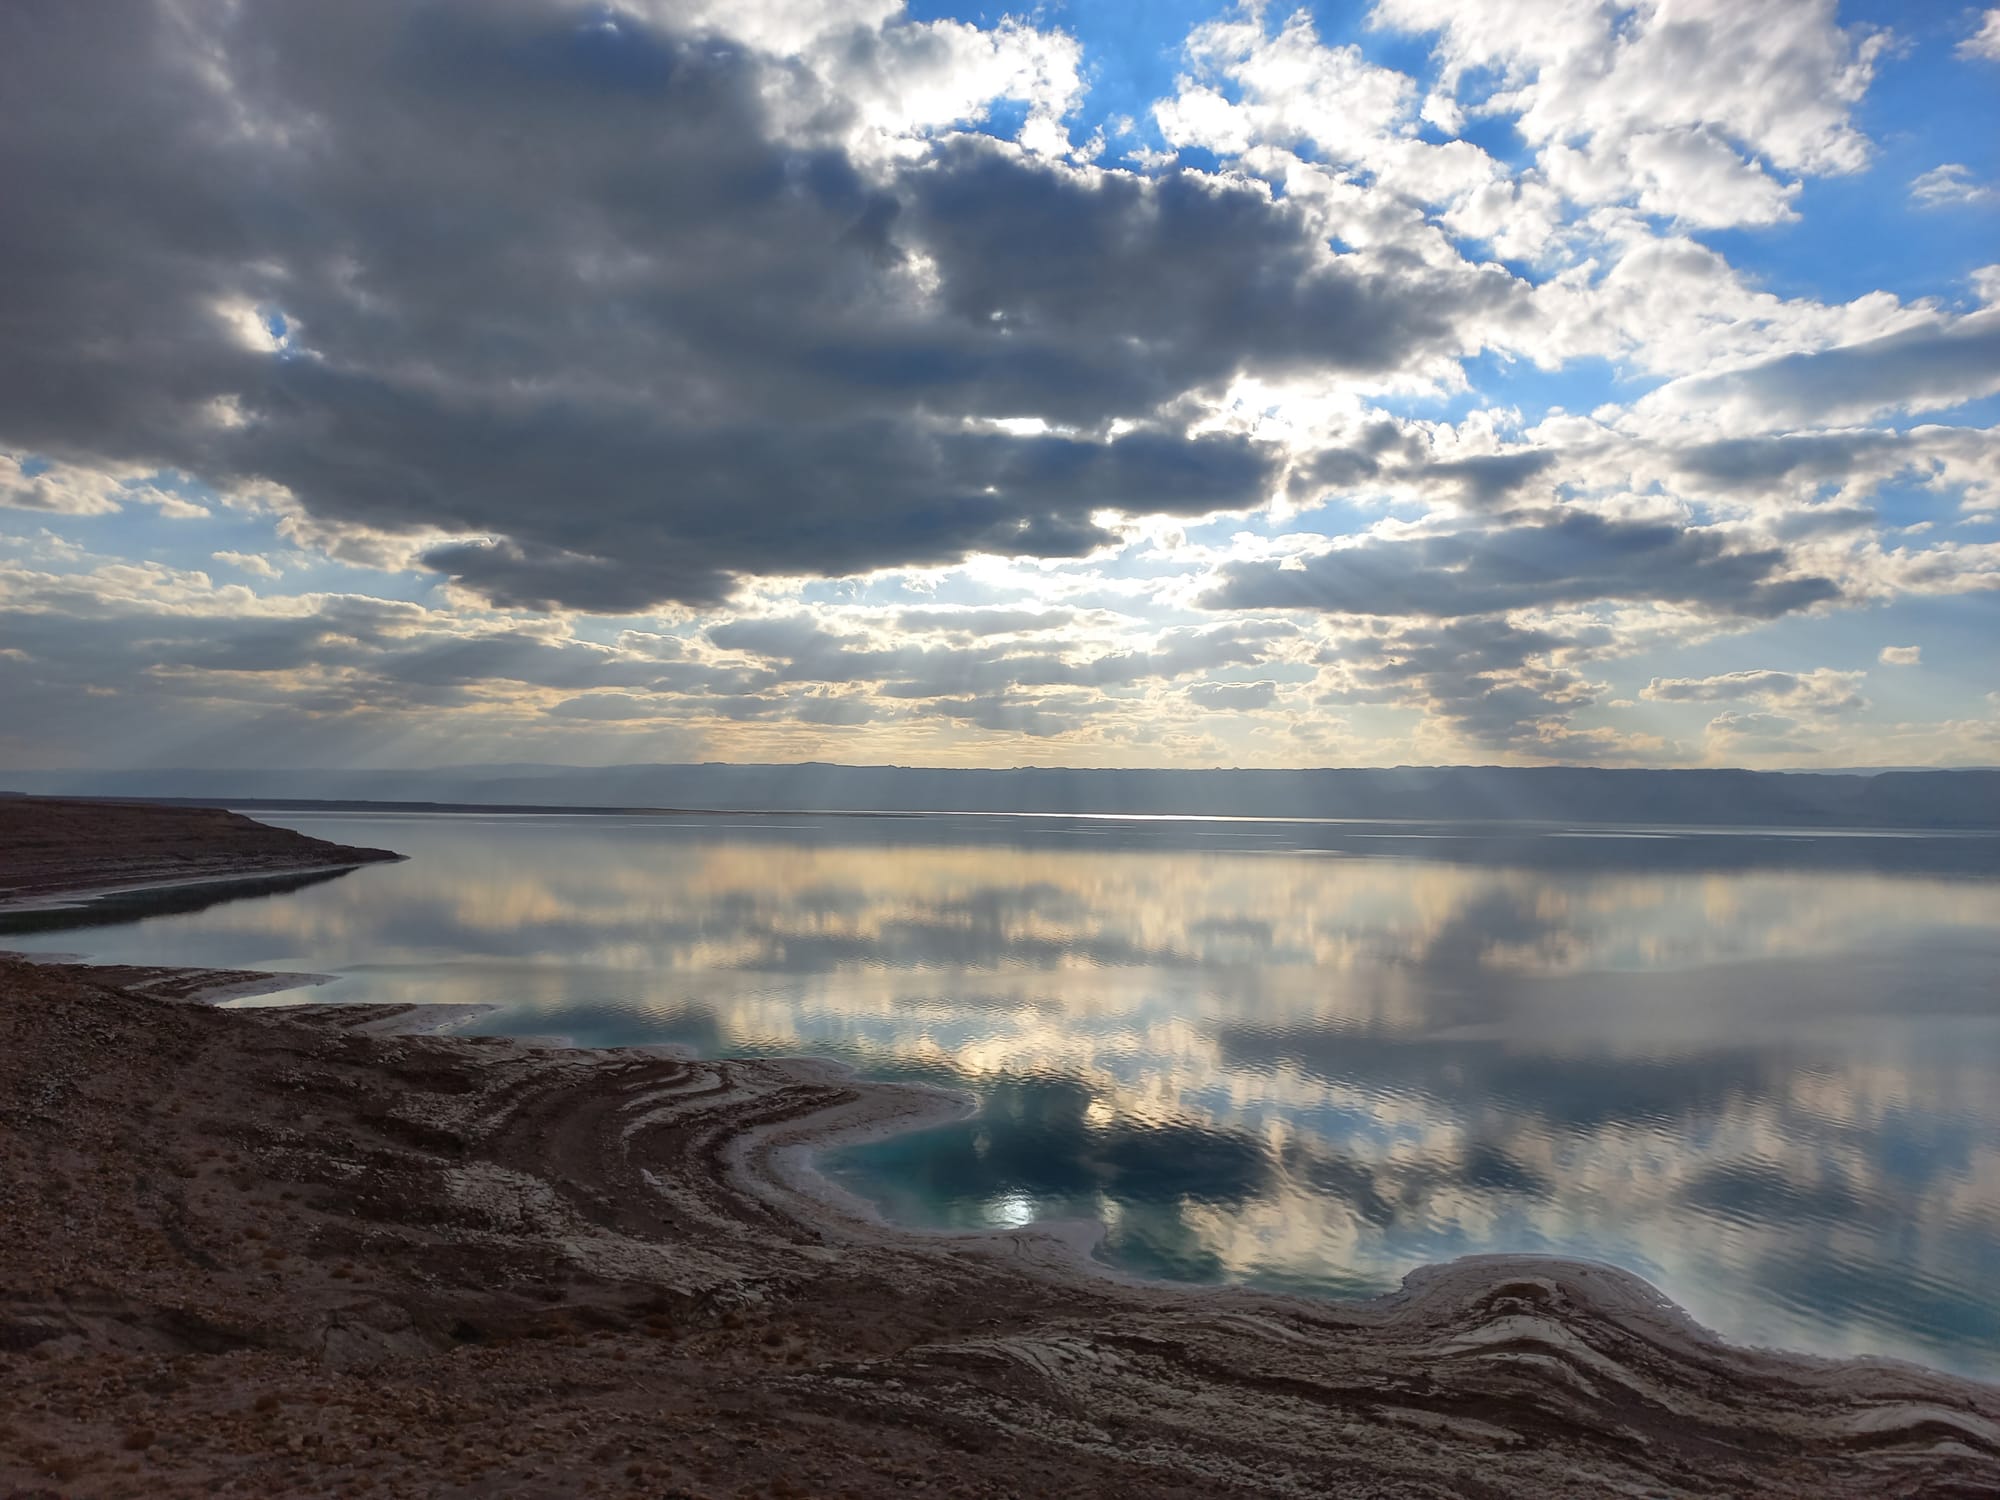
column 283, row 1252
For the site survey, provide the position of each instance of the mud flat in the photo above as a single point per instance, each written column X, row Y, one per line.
column 282, row 1252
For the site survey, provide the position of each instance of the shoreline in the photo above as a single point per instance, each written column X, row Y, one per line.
column 787, row 1170
column 77, row 898
column 397, row 1211
column 313, row 1249
column 56, row 854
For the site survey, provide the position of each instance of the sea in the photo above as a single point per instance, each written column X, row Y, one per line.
column 1759, row 1067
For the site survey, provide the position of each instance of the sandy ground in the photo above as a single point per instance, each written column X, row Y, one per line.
column 289, row 1252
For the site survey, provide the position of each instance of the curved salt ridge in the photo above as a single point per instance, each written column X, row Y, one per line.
column 1913, row 1418
column 647, row 1168
column 776, row 1165
column 419, row 1020
column 772, row 1163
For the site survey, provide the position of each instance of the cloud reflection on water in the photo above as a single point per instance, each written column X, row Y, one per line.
column 1764, row 1072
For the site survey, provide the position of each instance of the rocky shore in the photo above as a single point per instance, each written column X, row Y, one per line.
column 293, row 1252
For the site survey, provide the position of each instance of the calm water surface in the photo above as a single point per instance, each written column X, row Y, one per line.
column 1762, row 1070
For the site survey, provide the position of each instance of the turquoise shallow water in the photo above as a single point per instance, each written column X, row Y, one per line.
column 1761, row 1069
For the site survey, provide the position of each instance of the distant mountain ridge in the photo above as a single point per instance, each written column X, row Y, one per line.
column 1726, row 798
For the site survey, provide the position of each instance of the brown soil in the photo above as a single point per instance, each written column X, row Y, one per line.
column 289, row 1252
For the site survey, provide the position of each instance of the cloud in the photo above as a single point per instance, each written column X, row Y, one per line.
column 25, row 485
column 612, row 707
column 1949, row 185
column 1902, row 656
column 1489, row 479
column 1822, row 690
column 1692, row 175
column 1735, row 736
column 149, row 631
column 1985, row 42
column 1493, row 684
column 679, row 324
column 65, row 489
column 1681, row 111
column 1917, row 369
column 1659, row 301
column 1533, row 560
column 1291, row 90
column 1233, row 695
column 249, row 562
column 1013, row 713
column 1678, row 113
column 800, row 649
column 929, row 436
column 985, row 621
column 228, row 676
column 1801, row 467
column 1288, row 107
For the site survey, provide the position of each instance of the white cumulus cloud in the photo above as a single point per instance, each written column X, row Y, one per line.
column 1948, row 186
column 1985, row 42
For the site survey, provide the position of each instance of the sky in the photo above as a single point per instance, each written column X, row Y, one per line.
column 1408, row 382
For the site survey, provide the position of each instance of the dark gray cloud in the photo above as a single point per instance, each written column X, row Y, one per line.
column 1916, row 369
column 1210, row 275
column 1488, row 479
column 1823, row 520
column 1756, row 463
column 1495, row 683
column 1532, row 559
column 1453, row 653
column 572, row 288
column 1388, row 454
column 1825, row 475
column 1335, row 469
